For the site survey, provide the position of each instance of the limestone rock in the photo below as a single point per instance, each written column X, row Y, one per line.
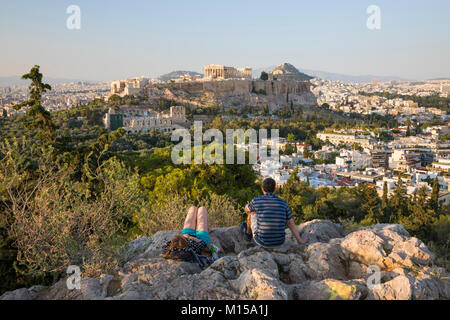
column 321, row 231
column 23, row 293
column 366, row 247
column 332, row 265
column 331, row 289
column 386, row 246
column 136, row 247
column 229, row 240
column 326, row 261
column 260, row 285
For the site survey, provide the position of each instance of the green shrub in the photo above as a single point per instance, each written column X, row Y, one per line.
column 170, row 213
column 57, row 222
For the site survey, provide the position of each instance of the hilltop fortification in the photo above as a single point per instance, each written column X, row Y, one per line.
column 236, row 93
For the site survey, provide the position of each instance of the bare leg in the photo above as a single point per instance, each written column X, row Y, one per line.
column 191, row 219
column 202, row 219
column 249, row 224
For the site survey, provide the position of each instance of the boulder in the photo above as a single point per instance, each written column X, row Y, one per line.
column 326, row 261
column 229, row 240
column 331, row 289
column 366, row 247
column 321, row 231
column 260, row 285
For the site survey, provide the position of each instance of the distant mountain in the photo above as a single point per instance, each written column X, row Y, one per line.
column 177, row 74
column 17, row 81
column 350, row 78
column 256, row 73
column 334, row 76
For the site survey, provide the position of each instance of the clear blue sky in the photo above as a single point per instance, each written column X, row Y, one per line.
column 119, row 39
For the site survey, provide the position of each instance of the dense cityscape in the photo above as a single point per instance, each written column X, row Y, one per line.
column 418, row 147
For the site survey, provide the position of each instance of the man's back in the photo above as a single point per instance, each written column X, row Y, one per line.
column 272, row 214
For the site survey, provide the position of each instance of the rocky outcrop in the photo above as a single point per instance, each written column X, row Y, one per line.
column 234, row 93
column 334, row 265
column 287, row 72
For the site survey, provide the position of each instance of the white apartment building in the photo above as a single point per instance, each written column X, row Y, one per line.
column 348, row 139
column 404, row 160
column 442, row 164
column 354, row 159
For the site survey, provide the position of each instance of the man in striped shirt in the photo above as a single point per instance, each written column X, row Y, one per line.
column 267, row 218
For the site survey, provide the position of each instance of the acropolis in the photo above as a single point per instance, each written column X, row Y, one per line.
column 215, row 71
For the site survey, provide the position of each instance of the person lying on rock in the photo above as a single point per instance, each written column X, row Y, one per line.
column 196, row 230
column 267, row 217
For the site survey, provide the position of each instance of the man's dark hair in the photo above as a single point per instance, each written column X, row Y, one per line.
column 269, row 185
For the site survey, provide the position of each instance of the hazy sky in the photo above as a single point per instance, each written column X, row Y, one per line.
column 120, row 39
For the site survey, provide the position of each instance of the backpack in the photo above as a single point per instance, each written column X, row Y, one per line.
column 180, row 248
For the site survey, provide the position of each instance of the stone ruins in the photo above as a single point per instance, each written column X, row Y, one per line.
column 128, row 86
column 135, row 119
column 215, row 71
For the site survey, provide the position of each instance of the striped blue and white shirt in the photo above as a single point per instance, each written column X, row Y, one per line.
column 272, row 214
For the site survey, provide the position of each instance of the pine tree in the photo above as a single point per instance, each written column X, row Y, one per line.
column 434, row 200
column 370, row 206
column 421, row 219
column 399, row 202
column 41, row 118
column 385, row 204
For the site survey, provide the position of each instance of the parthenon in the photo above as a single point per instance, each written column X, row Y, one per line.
column 214, row 71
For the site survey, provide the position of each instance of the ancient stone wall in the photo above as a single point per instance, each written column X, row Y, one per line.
column 275, row 88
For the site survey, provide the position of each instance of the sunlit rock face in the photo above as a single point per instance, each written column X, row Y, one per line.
column 334, row 264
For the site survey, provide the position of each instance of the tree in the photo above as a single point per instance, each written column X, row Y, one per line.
column 399, row 201
column 408, row 131
column 264, row 76
column 370, row 206
column 421, row 219
column 42, row 119
column 385, row 204
column 434, row 200
column 115, row 100
column 129, row 99
column 291, row 137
